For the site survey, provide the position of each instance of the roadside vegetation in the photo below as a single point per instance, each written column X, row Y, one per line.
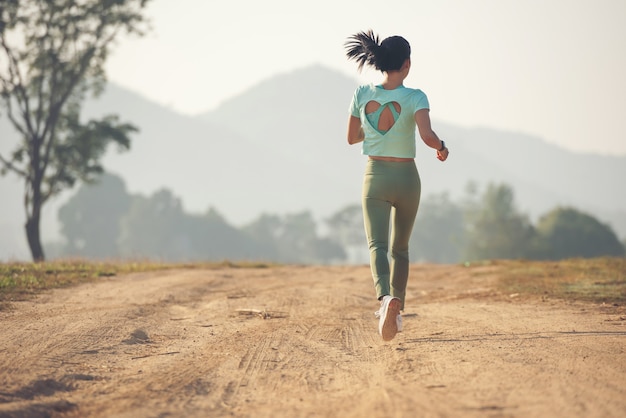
column 595, row 280
column 22, row 280
column 485, row 225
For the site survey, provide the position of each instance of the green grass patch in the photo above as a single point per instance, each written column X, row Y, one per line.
column 598, row 280
column 19, row 281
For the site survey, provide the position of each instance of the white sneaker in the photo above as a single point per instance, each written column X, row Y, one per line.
column 398, row 319
column 388, row 314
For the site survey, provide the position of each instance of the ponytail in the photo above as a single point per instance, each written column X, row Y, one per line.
column 362, row 48
column 366, row 49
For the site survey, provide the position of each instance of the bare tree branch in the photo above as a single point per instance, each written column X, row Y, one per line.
column 9, row 166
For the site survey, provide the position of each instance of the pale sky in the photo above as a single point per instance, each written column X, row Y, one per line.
column 551, row 68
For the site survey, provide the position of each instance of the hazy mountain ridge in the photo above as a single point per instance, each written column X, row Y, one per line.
column 543, row 175
column 543, row 163
column 280, row 147
column 313, row 129
column 207, row 165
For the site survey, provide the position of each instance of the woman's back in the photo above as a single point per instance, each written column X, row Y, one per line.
column 388, row 119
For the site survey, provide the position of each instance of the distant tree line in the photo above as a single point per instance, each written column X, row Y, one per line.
column 487, row 225
column 103, row 220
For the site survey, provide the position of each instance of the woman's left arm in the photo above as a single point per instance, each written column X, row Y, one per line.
column 355, row 130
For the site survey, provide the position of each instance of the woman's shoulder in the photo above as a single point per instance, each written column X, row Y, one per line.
column 417, row 95
column 366, row 87
column 365, row 91
column 418, row 92
column 418, row 98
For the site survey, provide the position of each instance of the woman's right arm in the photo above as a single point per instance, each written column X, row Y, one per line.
column 355, row 130
column 430, row 138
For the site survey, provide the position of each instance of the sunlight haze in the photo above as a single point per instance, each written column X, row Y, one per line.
column 554, row 69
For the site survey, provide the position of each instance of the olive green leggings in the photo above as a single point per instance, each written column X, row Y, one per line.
column 391, row 191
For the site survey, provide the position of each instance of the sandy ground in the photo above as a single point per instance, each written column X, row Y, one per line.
column 302, row 342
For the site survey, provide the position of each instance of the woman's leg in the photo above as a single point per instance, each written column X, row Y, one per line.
column 376, row 214
column 403, row 218
column 385, row 185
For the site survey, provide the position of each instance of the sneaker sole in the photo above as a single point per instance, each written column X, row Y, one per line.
column 390, row 326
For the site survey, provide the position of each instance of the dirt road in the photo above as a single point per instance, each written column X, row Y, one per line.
column 302, row 342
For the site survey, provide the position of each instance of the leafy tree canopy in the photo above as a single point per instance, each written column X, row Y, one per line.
column 495, row 229
column 90, row 220
column 52, row 54
column 568, row 233
column 439, row 231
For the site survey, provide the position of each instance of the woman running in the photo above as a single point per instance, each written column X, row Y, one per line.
column 383, row 118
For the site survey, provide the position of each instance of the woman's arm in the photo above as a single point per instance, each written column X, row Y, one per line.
column 430, row 138
column 355, row 130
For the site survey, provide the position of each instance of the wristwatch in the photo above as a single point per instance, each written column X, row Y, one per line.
column 443, row 146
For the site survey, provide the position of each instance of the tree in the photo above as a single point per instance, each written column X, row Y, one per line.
column 299, row 242
column 158, row 227
column 52, row 54
column 214, row 239
column 567, row 233
column 264, row 231
column 439, row 231
column 293, row 238
column 153, row 227
column 346, row 226
column 90, row 220
column 494, row 227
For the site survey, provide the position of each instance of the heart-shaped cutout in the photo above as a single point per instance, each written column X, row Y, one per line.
column 382, row 117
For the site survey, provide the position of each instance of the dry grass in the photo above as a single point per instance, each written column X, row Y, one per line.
column 20, row 280
column 597, row 280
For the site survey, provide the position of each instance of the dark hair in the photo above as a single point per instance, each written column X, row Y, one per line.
column 388, row 55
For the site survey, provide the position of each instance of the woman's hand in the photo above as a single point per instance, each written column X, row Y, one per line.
column 443, row 154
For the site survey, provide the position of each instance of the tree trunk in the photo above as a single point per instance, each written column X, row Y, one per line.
column 34, row 239
column 33, row 200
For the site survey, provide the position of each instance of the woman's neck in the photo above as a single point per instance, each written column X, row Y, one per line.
column 392, row 80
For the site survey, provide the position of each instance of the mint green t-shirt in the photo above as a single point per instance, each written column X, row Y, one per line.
column 399, row 140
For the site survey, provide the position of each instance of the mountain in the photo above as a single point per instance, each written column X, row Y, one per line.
column 210, row 164
column 280, row 147
column 303, row 115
